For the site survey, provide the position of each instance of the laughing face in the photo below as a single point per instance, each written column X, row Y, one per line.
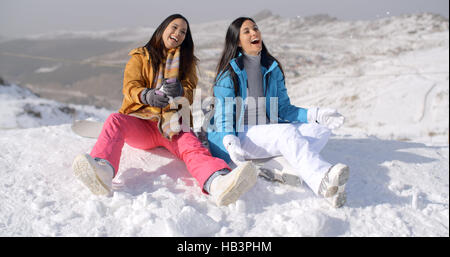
column 250, row 38
column 174, row 33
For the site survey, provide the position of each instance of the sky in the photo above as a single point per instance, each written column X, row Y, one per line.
column 28, row 17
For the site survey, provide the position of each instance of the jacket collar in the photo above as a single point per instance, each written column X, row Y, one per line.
column 266, row 61
column 143, row 51
column 140, row 50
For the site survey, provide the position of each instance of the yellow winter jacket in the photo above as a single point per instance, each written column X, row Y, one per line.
column 139, row 75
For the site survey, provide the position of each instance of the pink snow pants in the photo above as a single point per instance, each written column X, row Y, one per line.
column 144, row 134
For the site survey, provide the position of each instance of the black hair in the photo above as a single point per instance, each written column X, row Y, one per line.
column 156, row 48
column 231, row 50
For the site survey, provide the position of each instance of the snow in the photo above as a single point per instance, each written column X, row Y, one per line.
column 47, row 69
column 408, row 92
column 395, row 141
column 20, row 108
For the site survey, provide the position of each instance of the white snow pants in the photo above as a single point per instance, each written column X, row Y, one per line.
column 299, row 143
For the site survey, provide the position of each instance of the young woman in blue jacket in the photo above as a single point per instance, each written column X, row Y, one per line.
column 253, row 117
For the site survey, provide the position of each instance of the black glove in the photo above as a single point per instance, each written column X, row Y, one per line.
column 154, row 97
column 172, row 87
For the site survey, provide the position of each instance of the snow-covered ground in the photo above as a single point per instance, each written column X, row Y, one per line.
column 395, row 141
column 20, row 108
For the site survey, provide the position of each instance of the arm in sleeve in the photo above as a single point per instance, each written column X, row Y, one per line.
column 133, row 81
column 287, row 111
column 224, row 114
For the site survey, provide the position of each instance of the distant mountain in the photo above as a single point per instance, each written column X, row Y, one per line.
column 264, row 14
column 56, row 68
column 117, row 35
column 86, row 67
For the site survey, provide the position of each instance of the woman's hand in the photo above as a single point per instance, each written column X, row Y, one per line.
column 154, row 97
column 325, row 116
column 233, row 146
column 172, row 88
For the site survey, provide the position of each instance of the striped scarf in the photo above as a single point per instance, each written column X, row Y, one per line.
column 169, row 69
column 169, row 123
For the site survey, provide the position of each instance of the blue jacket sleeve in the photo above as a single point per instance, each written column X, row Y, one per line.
column 224, row 113
column 286, row 111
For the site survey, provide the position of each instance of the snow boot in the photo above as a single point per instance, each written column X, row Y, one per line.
column 226, row 189
column 96, row 174
column 338, row 200
column 332, row 186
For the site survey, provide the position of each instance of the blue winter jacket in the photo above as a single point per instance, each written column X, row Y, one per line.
column 225, row 120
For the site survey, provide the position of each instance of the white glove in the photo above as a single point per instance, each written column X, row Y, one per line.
column 233, row 146
column 325, row 116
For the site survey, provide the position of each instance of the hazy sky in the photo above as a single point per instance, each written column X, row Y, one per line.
column 25, row 17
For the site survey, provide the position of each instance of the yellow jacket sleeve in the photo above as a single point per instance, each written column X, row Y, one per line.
column 133, row 80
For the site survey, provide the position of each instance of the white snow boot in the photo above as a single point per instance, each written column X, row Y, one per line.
column 97, row 175
column 332, row 186
column 226, row 189
column 338, row 200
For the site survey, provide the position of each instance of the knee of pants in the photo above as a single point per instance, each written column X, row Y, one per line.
column 118, row 123
column 323, row 133
column 287, row 131
column 314, row 131
column 114, row 119
column 289, row 134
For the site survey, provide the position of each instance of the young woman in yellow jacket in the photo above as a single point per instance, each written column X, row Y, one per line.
column 157, row 75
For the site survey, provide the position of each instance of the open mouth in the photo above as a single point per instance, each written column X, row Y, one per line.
column 255, row 41
column 174, row 38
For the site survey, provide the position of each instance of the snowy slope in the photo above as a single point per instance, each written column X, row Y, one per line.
column 395, row 141
column 395, row 189
column 403, row 98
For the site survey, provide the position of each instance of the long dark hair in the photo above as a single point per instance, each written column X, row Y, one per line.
column 156, row 48
column 232, row 49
